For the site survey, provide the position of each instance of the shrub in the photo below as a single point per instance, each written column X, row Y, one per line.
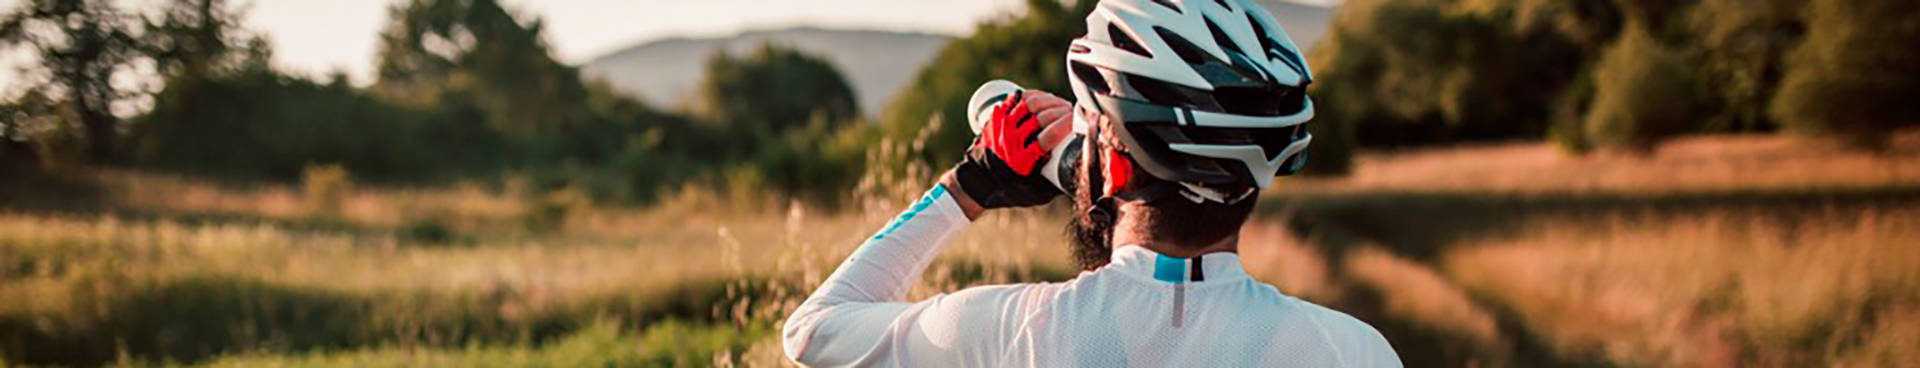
column 1421, row 72
column 261, row 124
column 772, row 90
column 1568, row 122
column 325, row 188
column 1029, row 50
column 556, row 206
column 1854, row 76
column 1742, row 45
column 1643, row 92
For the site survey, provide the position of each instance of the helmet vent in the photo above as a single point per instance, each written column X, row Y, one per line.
column 1091, row 77
column 1125, row 41
column 1260, row 31
column 1168, row 4
column 1223, row 4
column 1275, row 51
column 1274, row 142
column 1187, row 51
column 1220, row 37
column 1272, row 100
column 1156, row 92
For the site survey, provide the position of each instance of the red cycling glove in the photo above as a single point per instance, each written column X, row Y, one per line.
column 999, row 170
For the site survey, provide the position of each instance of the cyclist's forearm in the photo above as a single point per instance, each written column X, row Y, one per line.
column 871, row 280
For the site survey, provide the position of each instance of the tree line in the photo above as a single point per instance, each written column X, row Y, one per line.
column 463, row 89
column 466, row 88
column 1618, row 74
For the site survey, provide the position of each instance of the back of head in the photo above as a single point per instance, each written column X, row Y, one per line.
column 1188, row 225
column 1205, row 102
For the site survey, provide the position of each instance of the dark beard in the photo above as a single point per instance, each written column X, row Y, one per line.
column 1090, row 241
column 1091, row 229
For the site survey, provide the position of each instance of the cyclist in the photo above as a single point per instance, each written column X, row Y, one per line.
column 1188, row 109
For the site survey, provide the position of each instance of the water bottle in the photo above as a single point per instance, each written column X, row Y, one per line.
column 1065, row 157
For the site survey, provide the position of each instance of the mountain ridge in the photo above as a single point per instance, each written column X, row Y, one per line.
column 877, row 63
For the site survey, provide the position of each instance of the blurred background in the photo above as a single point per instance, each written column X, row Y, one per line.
column 653, row 183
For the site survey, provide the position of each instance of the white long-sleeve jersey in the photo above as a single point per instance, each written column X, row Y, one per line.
column 1141, row 310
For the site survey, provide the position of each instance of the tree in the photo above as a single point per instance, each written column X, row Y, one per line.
column 198, row 38
column 772, row 90
column 1029, row 49
column 260, row 124
column 1742, row 46
column 82, row 45
column 26, row 125
column 1854, row 75
column 1644, row 92
column 473, row 53
column 1420, row 72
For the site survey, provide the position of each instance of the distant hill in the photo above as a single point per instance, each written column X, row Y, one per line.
column 878, row 63
column 1305, row 23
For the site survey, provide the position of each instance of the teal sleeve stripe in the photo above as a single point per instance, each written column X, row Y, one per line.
column 1169, row 269
column 926, row 201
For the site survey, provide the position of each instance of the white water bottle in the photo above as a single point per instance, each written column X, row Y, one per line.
column 1060, row 163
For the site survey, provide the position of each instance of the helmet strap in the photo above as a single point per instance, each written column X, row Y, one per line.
column 1102, row 207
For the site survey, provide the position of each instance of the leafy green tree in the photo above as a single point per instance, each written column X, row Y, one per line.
column 26, row 124
column 474, row 54
column 1854, row 76
column 198, row 38
column 1029, row 49
column 260, row 124
column 1645, row 91
column 1742, row 47
column 81, row 45
column 772, row 90
column 1417, row 72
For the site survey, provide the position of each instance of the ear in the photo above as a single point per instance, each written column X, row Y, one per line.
column 1119, row 170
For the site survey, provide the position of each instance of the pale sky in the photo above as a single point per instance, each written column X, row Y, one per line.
column 316, row 36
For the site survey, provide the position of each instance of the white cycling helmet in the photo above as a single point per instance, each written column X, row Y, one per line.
column 1205, row 93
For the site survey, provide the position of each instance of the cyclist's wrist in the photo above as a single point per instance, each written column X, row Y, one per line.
column 971, row 208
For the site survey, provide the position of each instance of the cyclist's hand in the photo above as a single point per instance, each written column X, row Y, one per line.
column 1002, row 167
column 1055, row 114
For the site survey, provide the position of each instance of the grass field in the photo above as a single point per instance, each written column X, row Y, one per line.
column 1718, row 251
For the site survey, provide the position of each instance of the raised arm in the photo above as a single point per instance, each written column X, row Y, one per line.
column 857, row 317
column 849, row 314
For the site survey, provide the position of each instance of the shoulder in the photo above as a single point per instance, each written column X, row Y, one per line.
column 970, row 308
column 997, row 293
column 976, row 322
column 1359, row 344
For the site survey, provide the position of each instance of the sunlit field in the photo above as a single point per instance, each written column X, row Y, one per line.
column 1690, row 268
column 327, row 274
column 1714, row 251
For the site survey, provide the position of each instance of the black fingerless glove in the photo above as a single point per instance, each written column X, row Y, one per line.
column 1002, row 168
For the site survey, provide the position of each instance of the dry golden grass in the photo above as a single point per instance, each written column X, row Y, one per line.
column 539, row 268
column 1414, row 292
column 69, row 271
column 1683, row 165
column 1698, row 285
column 510, row 258
column 1275, row 256
column 1710, row 251
column 466, row 206
column 1711, row 289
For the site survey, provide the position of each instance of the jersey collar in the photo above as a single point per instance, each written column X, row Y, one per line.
column 1145, row 263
